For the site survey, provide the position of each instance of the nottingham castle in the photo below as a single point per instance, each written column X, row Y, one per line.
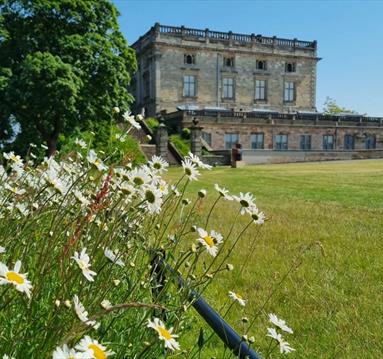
column 254, row 90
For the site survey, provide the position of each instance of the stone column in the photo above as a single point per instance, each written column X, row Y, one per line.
column 162, row 141
column 195, row 138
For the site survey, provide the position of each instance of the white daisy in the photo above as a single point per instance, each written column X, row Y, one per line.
column 81, row 198
column 246, row 200
column 257, row 216
column 210, row 241
column 280, row 323
column 223, row 192
column 14, row 158
column 197, row 161
column 139, row 176
column 80, row 143
column 128, row 117
column 94, row 160
column 65, row 352
column 113, row 257
column 158, row 164
column 163, row 187
column 83, row 314
column 5, row 356
column 52, row 179
column 83, row 260
column 237, row 297
column 164, row 334
column 19, row 280
column 14, row 189
column 190, row 169
column 116, row 109
column 2, row 249
column 98, row 350
column 284, row 347
column 22, row 208
column 152, row 197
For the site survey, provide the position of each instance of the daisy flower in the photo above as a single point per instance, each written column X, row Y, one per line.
column 106, row 304
column 190, row 169
column 128, row 117
column 158, row 164
column 210, row 241
column 164, row 334
column 94, row 160
column 65, row 352
column 80, row 143
column 223, row 192
column 116, row 109
column 246, row 200
column 284, row 347
column 237, row 297
column 83, row 314
column 97, row 349
column 138, row 176
column 19, row 280
column 153, row 198
column 83, row 260
column 113, row 257
column 14, row 158
column 280, row 323
column 257, row 216
column 197, row 161
column 81, row 198
column 14, row 189
column 2, row 249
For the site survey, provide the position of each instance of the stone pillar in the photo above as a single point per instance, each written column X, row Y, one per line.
column 162, row 141
column 195, row 138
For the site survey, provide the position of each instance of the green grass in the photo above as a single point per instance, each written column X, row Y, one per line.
column 332, row 213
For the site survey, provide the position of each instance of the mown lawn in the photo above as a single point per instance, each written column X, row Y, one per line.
column 326, row 219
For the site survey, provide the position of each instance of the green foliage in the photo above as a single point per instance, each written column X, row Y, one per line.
column 109, row 139
column 62, row 64
column 152, row 123
column 332, row 108
column 182, row 145
column 185, row 133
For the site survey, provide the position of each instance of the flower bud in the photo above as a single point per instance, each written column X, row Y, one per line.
column 229, row 267
column 202, row 193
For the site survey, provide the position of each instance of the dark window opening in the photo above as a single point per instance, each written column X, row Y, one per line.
column 281, row 142
column 370, row 142
column 349, row 142
column 328, row 142
column 228, row 61
column 305, row 142
column 257, row 140
column 261, row 65
column 189, row 59
column 290, row 67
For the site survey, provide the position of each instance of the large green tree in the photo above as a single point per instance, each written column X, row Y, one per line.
column 63, row 63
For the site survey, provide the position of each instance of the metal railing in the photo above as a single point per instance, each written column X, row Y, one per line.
column 226, row 333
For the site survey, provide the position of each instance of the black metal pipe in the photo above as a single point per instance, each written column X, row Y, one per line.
column 227, row 334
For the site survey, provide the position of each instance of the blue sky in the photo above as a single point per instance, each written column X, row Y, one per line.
column 349, row 35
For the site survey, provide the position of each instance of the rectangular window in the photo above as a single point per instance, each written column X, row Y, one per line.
column 230, row 140
column 281, row 142
column 189, row 86
column 260, row 89
column 207, row 137
column 328, row 142
column 349, row 142
column 257, row 140
column 146, row 85
column 228, row 88
column 305, row 142
column 370, row 142
column 289, row 93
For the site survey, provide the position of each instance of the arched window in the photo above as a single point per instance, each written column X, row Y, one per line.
column 261, row 65
column 290, row 67
column 189, row 59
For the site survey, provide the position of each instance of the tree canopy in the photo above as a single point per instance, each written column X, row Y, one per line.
column 332, row 108
column 63, row 63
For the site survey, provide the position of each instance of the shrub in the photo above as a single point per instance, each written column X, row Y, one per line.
column 182, row 145
column 152, row 123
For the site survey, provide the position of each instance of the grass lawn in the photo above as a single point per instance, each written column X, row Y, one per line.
column 327, row 220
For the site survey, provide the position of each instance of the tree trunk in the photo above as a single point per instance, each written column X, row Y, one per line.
column 52, row 145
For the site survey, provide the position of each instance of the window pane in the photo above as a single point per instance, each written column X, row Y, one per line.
column 230, row 140
column 256, row 140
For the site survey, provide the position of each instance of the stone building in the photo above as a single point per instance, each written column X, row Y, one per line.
column 203, row 69
column 256, row 90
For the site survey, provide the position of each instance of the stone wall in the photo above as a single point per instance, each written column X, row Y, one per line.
column 269, row 156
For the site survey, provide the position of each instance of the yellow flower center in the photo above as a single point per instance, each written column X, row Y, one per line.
column 97, row 351
column 165, row 333
column 238, row 296
column 15, row 277
column 82, row 264
column 97, row 162
column 209, row 241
